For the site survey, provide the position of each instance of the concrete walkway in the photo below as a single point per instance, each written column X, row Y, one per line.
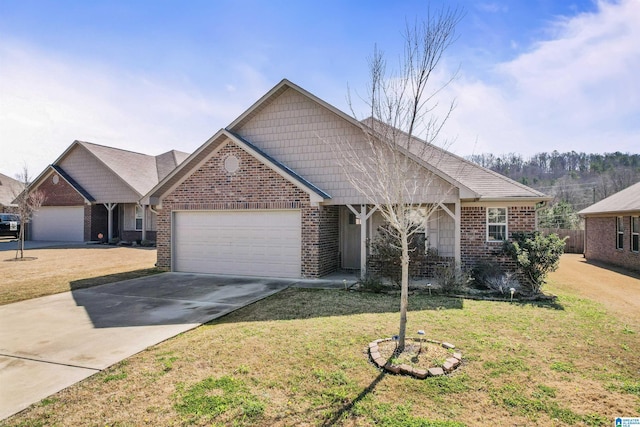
column 50, row 343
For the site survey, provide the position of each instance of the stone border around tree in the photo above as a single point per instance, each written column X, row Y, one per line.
column 450, row 364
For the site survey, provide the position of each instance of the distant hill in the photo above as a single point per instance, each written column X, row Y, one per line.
column 577, row 179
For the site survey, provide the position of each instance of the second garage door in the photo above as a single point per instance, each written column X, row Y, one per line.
column 58, row 223
column 250, row 243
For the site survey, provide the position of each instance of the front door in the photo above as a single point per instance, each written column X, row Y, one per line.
column 350, row 239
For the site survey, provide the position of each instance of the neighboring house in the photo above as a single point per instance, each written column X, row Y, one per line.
column 266, row 196
column 93, row 192
column 9, row 190
column 612, row 229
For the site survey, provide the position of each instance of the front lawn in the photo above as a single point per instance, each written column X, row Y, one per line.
column 300, row 358
column 57, row 270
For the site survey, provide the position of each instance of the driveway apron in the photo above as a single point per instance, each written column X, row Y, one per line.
column 50, row 343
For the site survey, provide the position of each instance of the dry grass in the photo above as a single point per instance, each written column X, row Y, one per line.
column 57, row 270
column 300, row 358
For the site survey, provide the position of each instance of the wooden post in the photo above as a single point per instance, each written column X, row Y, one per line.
column 110, row 207
column 144, row 222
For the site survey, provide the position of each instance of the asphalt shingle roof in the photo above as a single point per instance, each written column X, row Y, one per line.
column 9, row 189
column 485, row 183
column 627, row 200
column 141, row 171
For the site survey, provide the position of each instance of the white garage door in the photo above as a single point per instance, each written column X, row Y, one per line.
column 58, row 223
column 250, row 243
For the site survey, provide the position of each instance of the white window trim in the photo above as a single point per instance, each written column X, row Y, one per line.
column 619, row 232
column 506, row 223
column 136, row 217
column 634, row 232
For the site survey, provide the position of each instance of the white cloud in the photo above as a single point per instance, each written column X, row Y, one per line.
column 577, row 91
column 47, row 102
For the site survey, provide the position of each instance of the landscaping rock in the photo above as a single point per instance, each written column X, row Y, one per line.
column 448, row 345
column 420, row 373
column 380, row 362
column 406, row 370
column 455, row 362
column 458, row 356
column 435, row 372
column 392, row 368
column 375, row 355
column 448, row 366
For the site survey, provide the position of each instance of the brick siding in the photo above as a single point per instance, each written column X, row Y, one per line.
column 601, row 234
column 60, row 194
column 474, row 245
column 253, row 186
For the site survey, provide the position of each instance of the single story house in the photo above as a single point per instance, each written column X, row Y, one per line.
column 267, row 196
column 612, row 229
column 9, row 189
column 93, row 192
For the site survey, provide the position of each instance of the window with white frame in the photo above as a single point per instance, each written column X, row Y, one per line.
column 496, row 224
column 635, row 233
column 138, row 217
column 619, row 232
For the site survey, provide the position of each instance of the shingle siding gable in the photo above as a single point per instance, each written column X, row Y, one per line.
column 96, row 178
column 298, row 132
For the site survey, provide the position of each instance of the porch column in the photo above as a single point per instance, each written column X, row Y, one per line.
column 363, row 216
column 144, row 222
column 457, row 231
column 110, row 207
column 458, row 235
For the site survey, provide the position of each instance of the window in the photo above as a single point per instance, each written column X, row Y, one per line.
column 138, row 217
column 635, row 233
column 496, row 224
column 619, row 232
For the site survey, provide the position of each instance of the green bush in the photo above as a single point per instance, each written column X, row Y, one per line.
column 536, row 255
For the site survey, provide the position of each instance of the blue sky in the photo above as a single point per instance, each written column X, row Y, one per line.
column 151, row 76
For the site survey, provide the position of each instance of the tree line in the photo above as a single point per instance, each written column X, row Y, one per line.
column 575, row 179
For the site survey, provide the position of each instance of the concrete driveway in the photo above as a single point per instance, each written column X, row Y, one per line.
column 50, row 343
column 9, row 244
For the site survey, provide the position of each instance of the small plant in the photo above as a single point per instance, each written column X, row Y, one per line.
column 147, row 243
column 450, row 278
column 114, row 241
column 373, row 284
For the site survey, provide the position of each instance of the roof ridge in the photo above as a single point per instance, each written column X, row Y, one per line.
column 460, row 158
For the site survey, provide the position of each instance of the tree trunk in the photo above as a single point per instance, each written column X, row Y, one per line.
column 404, row 293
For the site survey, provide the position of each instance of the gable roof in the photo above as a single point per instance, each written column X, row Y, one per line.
column 138, row 171
column 627, row 200
column 202, row 154
column 9, row 189
column 84, row 193
column 485, row 184
column 474, row 181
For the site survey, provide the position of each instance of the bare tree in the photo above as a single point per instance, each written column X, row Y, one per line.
column 28, row 202
column 392, row 165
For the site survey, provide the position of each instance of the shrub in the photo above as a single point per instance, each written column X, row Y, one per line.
column 373, row 284
column 450, row 278
column 536, row 255
column 492, row 276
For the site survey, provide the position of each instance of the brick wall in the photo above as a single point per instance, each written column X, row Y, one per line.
column 601, row 242
column 474, row 245
column 253, row 186
column 60, row 194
